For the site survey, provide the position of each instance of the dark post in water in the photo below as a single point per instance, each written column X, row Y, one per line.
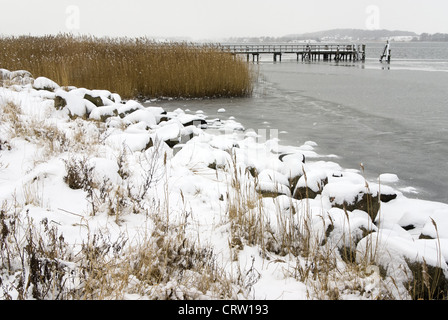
column 386, row 53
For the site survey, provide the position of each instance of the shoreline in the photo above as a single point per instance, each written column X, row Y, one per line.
column 378, row 114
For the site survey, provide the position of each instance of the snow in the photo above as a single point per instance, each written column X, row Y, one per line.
column 388, row 177
column 214, row 171
column 132, row 140
column 170, row 131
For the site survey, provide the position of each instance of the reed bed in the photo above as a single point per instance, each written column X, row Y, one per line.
column 132, row 67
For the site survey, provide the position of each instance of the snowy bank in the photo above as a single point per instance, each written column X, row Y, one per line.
column 93, row 171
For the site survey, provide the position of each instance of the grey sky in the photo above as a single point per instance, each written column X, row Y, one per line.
column 211, row 19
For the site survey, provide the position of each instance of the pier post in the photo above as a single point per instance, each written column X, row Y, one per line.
column 277, row 54
column 255, row 55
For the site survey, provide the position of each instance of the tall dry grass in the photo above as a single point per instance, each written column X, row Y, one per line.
column 132, row 67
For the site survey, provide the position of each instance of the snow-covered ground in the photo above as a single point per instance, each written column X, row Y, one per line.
column 267, row 219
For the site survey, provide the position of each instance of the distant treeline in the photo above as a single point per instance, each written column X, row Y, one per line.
column 434, row 37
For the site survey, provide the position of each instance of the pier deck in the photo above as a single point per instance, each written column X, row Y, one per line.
column 326, row 52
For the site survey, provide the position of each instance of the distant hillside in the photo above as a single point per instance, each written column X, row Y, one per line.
column 354, row 34
column 345, row 35
column 334, row 34
column 434, row 37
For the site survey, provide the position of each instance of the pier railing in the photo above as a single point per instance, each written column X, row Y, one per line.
column 287, row 48
column 306, row 51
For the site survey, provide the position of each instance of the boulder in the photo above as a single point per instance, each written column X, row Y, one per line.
column 354, row 196
column 345, row 229
column 128, row 108
column 170, row 134
column 188, row 133
column 103, row 113
column 367, row 202
column 269, row 189
column 5, row 74
column 293, row 168
column 310, row 185
column 224, row 142
column 97, row 101
column 190, row 120
column 421, row 218
column 21, row 77
column 198, row 155
column 252, row 171
column 362, row 201
column 59, row 102
column 74, row 106
column 414, row 267
column 140, row 115
column 98, row 98
column 428, row 282
column 42, row 83
column 284, row 157
column 272, row 184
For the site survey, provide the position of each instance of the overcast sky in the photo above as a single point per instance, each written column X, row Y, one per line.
column 211, row 19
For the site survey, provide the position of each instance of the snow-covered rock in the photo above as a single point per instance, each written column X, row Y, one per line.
column 170, row 133
column 141, row 115
column 273, row 176
column 102, row 113
column 21, row 77
column 310, row 185
column 410, row 263
column 5, row 74
column 128, row 108
column 73, row 104
column 43, row 83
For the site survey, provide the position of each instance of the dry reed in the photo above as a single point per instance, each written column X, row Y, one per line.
column 137, row 67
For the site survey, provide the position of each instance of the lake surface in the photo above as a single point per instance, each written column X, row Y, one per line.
column 392, row 118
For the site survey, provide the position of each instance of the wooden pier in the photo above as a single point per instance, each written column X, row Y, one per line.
column 305, row 52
